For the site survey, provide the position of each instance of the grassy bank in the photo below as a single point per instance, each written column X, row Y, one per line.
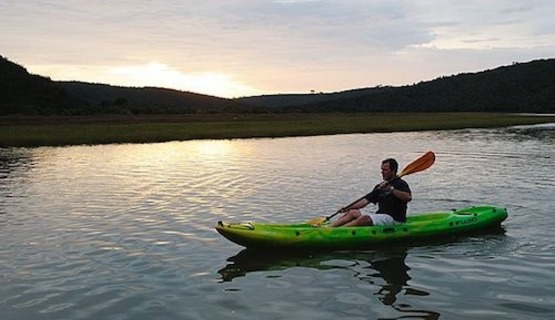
column 52, row 131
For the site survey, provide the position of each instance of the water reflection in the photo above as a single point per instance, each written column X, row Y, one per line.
column 384, row 269
column 544, row 132
column 13, row 159
column 213, row 148
column 15, row 167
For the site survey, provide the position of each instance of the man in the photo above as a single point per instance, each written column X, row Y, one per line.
column 392, row 196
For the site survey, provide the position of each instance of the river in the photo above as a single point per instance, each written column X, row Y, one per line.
column 127, row 231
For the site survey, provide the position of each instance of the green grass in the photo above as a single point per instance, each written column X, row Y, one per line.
column 102, row 130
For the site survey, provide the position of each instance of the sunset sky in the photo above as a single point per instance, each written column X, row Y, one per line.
column 241, row 48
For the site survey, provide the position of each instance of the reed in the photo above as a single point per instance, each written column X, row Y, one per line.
column 28, row 132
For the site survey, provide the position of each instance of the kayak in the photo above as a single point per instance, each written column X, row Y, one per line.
column 431, row 225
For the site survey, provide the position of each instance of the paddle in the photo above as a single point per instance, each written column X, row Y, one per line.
column 420, row 164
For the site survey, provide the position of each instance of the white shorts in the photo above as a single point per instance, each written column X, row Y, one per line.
column 381, row 219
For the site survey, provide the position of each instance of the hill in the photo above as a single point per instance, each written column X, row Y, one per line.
column 149, row 100
column 521, row 87
column 28, row 94
column 24, row 93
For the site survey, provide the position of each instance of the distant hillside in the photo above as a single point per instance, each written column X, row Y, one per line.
column 149, row 100
column 28, row 94
column 24, row 93
column 521, row 87
column 278, row 101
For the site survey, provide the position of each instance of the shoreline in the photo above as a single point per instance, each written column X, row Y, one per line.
column 19, row 131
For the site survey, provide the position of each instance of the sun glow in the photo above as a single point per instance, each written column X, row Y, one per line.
column 151, row 75
column 160, row 75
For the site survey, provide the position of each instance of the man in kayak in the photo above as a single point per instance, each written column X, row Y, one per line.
column 392, row 196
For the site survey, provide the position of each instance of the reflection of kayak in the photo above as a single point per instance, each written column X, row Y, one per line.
column 434, row 225
column 390, row 262
column 383, row 271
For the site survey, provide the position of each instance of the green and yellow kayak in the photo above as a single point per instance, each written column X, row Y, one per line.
column 432, row 225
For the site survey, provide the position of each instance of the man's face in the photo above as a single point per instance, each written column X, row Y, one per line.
column 387, row 173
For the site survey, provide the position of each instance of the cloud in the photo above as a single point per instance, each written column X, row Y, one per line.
column 487, row 25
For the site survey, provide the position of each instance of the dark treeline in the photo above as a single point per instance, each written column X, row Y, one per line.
column 103, row 98
column 521, row 87
column 24, row 93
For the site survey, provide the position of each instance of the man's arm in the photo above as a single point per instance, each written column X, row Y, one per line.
column 357, row 205
column 403, row 195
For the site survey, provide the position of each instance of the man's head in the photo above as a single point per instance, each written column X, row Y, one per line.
column 389, row 168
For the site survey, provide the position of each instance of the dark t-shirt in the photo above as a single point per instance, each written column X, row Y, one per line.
column 388, row 203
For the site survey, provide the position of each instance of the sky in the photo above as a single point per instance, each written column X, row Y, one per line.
column 237, row 48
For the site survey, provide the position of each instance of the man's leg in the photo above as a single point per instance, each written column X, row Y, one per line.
column 363, row 220
column 351, row 215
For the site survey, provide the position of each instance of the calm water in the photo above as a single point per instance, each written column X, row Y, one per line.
column 126, row 231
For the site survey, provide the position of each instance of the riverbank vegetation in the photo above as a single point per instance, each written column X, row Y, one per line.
column 54, row 131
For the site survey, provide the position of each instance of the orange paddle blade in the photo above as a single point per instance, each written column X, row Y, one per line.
column 420, row 164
